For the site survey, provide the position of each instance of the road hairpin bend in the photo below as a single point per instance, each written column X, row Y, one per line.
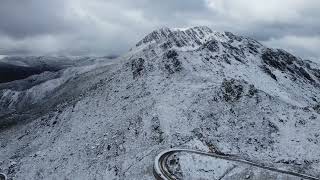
column 161, row 171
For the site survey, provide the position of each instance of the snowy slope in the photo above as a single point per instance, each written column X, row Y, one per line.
column 22, row 95
column 176, row 88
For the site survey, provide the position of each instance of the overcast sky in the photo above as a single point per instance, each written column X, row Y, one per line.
column 108, row 27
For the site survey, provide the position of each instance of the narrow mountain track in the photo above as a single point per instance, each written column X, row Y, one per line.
column 161, row 171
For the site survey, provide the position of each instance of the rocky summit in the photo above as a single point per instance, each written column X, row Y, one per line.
column 176, row 88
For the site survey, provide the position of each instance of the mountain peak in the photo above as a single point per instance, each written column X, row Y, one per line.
column 195, row 28
column 186, row 38
column 179, row 37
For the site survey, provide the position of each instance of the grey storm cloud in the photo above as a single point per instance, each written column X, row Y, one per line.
column 103, row 27
column 20, row 19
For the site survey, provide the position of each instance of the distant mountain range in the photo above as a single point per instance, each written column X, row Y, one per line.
column 20, row 67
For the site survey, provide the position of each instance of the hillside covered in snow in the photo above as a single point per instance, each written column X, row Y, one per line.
column 183, row 88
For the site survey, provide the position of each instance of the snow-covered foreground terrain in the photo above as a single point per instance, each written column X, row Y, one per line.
column 191, row 88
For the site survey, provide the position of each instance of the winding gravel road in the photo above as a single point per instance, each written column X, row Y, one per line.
column 161, row 171
column 3, row 176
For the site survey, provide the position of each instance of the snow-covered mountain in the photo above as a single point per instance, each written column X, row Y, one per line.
column 42, row 75
column 192, row 88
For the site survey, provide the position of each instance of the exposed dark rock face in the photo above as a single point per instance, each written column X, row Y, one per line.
column 171, row 62
column 236, row 52
column 252, row 91
column 286, row 62
column 233, row 37
column 172, row 54
column 212, row 46
column 278, row 59
column 166, row 45
column 317, row 108
column 253, row 48
column 232, row 90
column 157, row 133
column 137, row 67
column 269, row 72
